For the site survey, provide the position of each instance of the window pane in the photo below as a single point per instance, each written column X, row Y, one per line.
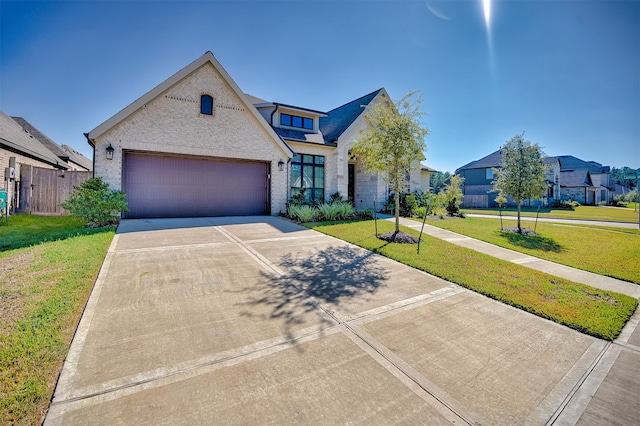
column 206, row 105
column 307, row 123
column 296, row 121
column 319, row 159
column 318, row 194
column 308, row 159
column 295, row 175
column 285, row 120
column 307, row 177
column 319, row 177
column 296, row 158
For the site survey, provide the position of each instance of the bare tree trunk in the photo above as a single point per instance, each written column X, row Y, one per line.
column 519, row 228
column 396, row 199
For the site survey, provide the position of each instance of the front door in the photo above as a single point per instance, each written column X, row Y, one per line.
column 352, row 184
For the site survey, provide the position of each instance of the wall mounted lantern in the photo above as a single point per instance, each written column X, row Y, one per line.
column 110, row 152
column 281, row 165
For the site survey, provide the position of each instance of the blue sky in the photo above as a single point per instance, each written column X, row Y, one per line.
column 567, row 73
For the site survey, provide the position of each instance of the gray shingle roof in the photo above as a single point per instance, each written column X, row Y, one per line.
column 569, row 162
column 77, row 157
column 575, row 178
column 339, row 119
column 64, row 152
column 492, row 160
column 14, row 136
column 44, row 139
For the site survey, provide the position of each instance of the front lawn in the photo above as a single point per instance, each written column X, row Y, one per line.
column 24, row 230
column 43, row 291
column 614, row 252
column 593, row 311
column 617, row 214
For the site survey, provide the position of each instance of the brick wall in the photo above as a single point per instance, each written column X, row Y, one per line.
column 172, row 123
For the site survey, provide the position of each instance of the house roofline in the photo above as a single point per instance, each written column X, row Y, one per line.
column 175, row 79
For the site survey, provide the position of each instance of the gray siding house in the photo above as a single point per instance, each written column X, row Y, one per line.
column 567, row 177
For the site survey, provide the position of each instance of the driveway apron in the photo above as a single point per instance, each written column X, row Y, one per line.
column 256, row 320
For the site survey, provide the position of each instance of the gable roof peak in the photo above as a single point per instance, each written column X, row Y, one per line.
column 339, row 119
column 175, row 79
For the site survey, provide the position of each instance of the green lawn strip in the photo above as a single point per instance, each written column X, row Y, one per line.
column 606, row 251
column 618, row 214
column 32, row 349
column 25, row 230
column 592, row 311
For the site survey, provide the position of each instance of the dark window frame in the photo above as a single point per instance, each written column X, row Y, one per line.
column 311, row 164
column 297, row 121
column 206, row 108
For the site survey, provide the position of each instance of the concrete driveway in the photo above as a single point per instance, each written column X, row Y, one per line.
column 260, row 321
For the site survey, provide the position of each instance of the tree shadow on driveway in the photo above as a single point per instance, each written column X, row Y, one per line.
column 329, row 276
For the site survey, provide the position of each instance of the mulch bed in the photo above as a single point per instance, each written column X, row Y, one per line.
column 400, row 237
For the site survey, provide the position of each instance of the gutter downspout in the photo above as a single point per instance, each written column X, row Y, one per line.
column 272, row 114
column 92, row 145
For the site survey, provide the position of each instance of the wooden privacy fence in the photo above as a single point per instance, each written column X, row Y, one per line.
column 476, row 201
column 43, row 190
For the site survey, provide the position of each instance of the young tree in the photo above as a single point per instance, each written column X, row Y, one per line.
column 437, row 180
column 522, row 174
column 451, row 195
column 394, row 143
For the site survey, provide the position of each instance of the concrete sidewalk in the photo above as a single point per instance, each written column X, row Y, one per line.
column 261, row 321
column 567, row 272
column 609, row 223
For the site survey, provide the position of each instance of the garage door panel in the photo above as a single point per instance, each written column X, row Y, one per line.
column 168, row 186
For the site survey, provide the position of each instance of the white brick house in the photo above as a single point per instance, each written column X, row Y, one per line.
column 196, row 145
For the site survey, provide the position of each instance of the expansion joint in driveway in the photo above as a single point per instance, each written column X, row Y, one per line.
column 445, row 404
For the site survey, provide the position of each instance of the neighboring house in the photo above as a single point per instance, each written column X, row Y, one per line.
column 478, row 178
column 18, row 146
column 70, row 156
column 425, row 177
column 586, row 182
column 196, row 145
column 567, row 178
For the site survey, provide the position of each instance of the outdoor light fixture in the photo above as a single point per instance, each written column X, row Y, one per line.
column 281, row 165
column 110, row 152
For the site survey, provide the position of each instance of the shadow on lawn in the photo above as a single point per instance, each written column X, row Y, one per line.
column 328, row 276
column 536, row 242
column 18, row 239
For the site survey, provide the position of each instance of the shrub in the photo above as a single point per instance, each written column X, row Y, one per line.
column 303, row 213
column 299, row 198
column 330, row 211
column 336, row 197
column 420, row 212
column 407, row 204
column 366, row 214
column 345, row 210
column 451, row 195
column 439, row 211
column 565, row 204
column 93, row 202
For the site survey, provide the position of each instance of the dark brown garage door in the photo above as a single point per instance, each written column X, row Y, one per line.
column 171, row 186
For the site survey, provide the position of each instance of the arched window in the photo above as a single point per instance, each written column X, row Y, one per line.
column 206, row 105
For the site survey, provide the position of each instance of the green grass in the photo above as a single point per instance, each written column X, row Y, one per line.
column 613, row 252
column 43, row 291
column 592, row 311
column 25, row 230
column 618, row 214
